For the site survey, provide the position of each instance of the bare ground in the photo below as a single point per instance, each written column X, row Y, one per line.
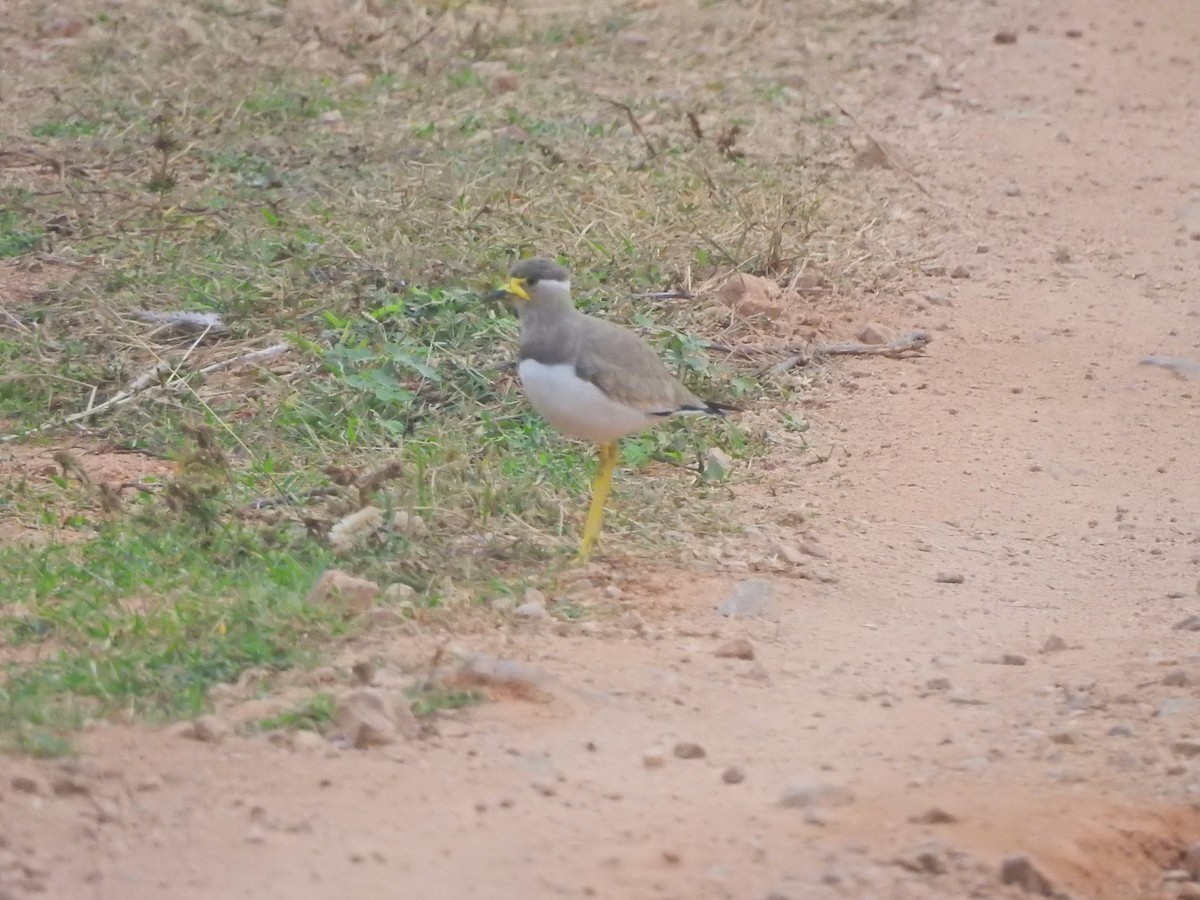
column 1029, row 455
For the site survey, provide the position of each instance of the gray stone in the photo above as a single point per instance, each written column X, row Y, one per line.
column 805, row 794
column 689, row 750
column 1191, row 861
column 1019, row 870
column 750, row 599
column 1054, row 644
column 813, row 549
column 874, row 333
column 1191, row 623
column 532, row 611
column 399, row 592
column 950, row 578
column 962, row 698
column 210, row 729
column 733, row 775
column 926, row 861
column 1174, row 706
column 1186, row 747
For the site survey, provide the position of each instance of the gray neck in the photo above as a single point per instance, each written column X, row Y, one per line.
column 547, row 323
column 545, row 311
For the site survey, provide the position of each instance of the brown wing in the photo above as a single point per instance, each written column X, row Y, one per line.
column 627, row 369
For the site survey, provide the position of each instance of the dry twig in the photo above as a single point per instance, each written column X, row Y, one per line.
column 633, row 123
column 152, row 379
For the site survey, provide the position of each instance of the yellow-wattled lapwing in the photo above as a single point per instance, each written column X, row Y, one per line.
column 592, row 380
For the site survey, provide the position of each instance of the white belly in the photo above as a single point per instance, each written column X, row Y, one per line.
column 576, row 407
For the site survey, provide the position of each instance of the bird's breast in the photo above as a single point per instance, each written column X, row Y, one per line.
column 575, row 406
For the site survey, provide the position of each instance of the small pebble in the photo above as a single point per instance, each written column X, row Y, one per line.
column 935, row 815
column 875, row 334
column 927, row 861
column 1186, row 747
column 805, row 794
column 27, row 785
column 1005, row 36
column 813, row 549
column 1191, row 861
column 1178, row 678
column 733, row 775
column 210, row 729
column 1021, row 871
column 689, row 750
column 738, row 648
column 654, row 758
column 1054, row 644
column 1174, row 706
column 950, row 578
column 749, row 599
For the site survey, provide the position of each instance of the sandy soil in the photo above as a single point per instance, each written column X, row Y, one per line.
column 904, row 724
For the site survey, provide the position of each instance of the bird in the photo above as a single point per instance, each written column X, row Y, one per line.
column 591, row 379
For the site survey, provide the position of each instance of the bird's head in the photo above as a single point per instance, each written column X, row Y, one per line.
column 535, row 281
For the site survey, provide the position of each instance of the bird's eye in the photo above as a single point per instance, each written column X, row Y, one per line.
column 531, row 281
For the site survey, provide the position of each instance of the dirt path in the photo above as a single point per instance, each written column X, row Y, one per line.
column 1030, row 457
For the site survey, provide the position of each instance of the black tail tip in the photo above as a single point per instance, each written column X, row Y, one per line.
column 722, row 409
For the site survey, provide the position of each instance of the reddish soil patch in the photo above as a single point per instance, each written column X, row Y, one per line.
column 1028, row 480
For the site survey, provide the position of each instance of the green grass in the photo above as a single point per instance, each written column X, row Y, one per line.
column 314, row 714
column 428, row 702
column 145, row 617
column 363, row 242
column 72, row 127
column 18, row 235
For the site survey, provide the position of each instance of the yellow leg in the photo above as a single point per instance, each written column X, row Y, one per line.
column 600, row 488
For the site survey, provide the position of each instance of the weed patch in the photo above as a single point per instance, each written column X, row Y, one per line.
column 345, row 200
